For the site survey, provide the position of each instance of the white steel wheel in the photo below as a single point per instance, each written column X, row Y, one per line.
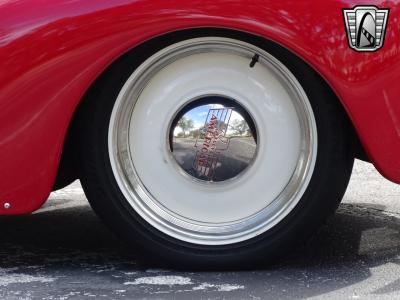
column 198, row 77
column 213, row 149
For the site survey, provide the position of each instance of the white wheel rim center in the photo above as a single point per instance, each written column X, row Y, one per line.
column 233, row 210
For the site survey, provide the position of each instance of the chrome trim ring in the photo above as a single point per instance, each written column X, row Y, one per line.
column 202, row 212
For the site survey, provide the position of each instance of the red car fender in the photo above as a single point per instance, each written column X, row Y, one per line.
column 52, row 51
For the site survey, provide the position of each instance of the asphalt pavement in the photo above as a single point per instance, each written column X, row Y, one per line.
column 64, row 252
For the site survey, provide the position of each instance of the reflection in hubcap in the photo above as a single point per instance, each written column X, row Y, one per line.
column 213, row 139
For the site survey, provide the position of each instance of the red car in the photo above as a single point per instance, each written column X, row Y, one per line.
column 208, row 133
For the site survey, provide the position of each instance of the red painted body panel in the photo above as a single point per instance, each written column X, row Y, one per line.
column 51, row 51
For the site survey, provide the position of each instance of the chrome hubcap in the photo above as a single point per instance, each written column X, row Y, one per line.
column 213, row 139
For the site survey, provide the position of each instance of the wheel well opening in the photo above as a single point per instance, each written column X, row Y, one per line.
column 68, row 170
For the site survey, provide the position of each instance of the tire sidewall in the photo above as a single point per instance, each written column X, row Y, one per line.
column 321, row 198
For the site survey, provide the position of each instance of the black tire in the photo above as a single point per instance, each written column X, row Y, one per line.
column 323, row 195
